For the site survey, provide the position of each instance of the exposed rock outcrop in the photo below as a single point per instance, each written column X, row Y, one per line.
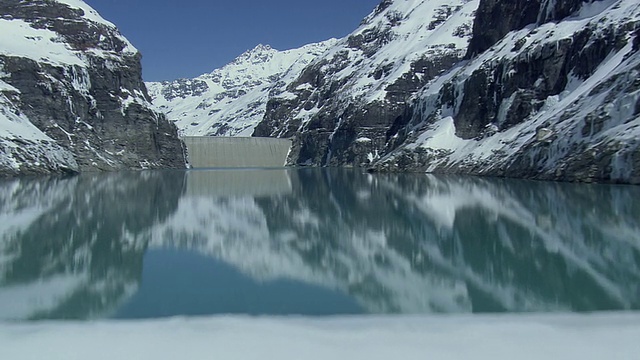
column 347, row 107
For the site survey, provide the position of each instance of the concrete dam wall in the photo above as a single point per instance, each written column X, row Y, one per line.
column 236, row 152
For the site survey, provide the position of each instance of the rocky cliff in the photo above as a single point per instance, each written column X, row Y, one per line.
column 551, row 94
column 72, row 96
column 347, row 107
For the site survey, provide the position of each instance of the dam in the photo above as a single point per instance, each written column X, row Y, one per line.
column 236, row 152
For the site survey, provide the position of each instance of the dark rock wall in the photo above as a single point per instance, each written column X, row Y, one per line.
column 495, row 18
column 531, row 78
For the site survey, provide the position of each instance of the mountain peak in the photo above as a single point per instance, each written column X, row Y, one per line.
column 231, row 100
column 261, row 47
column 259, row 54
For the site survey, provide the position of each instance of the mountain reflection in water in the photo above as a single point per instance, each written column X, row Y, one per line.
column 74, row 248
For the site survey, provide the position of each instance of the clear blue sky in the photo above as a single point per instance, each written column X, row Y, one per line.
column 192, row 37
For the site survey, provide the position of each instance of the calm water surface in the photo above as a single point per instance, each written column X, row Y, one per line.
column 312, row 242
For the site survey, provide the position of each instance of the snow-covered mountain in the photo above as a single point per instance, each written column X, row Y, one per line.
column 230, row 101
column 536, row 89
column 546, row 90
column 352, row 101
column 72, row 96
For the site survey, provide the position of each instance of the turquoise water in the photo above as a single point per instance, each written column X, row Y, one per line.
column 312, row 242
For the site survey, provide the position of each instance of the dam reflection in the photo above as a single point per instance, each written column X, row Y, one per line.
column 244, row 182
column 90, row 246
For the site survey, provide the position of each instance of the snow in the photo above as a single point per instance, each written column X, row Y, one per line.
column 26, row 300
column 443, row 136
column 45, row 46
column 593, row 8
column 37, row 44
column 89, row 13
column 17, row 131
column 17, row 126
column 566, row 337
column 19, row 38
column 412, row 39
column 4, row 87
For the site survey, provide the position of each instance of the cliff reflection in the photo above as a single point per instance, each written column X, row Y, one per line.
column 74, row 248
column 418, row 243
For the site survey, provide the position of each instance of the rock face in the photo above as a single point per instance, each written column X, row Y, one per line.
column 232, row 100
column 72, row 96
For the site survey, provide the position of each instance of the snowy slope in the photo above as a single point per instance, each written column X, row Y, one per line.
column 558, row 101
column 395, row 44
column 392, row 39
column 21, row 141
column 230, row 101
column 19, row 138
column 542, row 90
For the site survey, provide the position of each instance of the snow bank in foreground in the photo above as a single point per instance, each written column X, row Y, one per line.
column 583, row 337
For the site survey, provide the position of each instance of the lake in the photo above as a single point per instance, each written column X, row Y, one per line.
column 315, row 242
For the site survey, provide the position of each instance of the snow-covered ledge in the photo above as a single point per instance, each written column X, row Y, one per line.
column 522, row 337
